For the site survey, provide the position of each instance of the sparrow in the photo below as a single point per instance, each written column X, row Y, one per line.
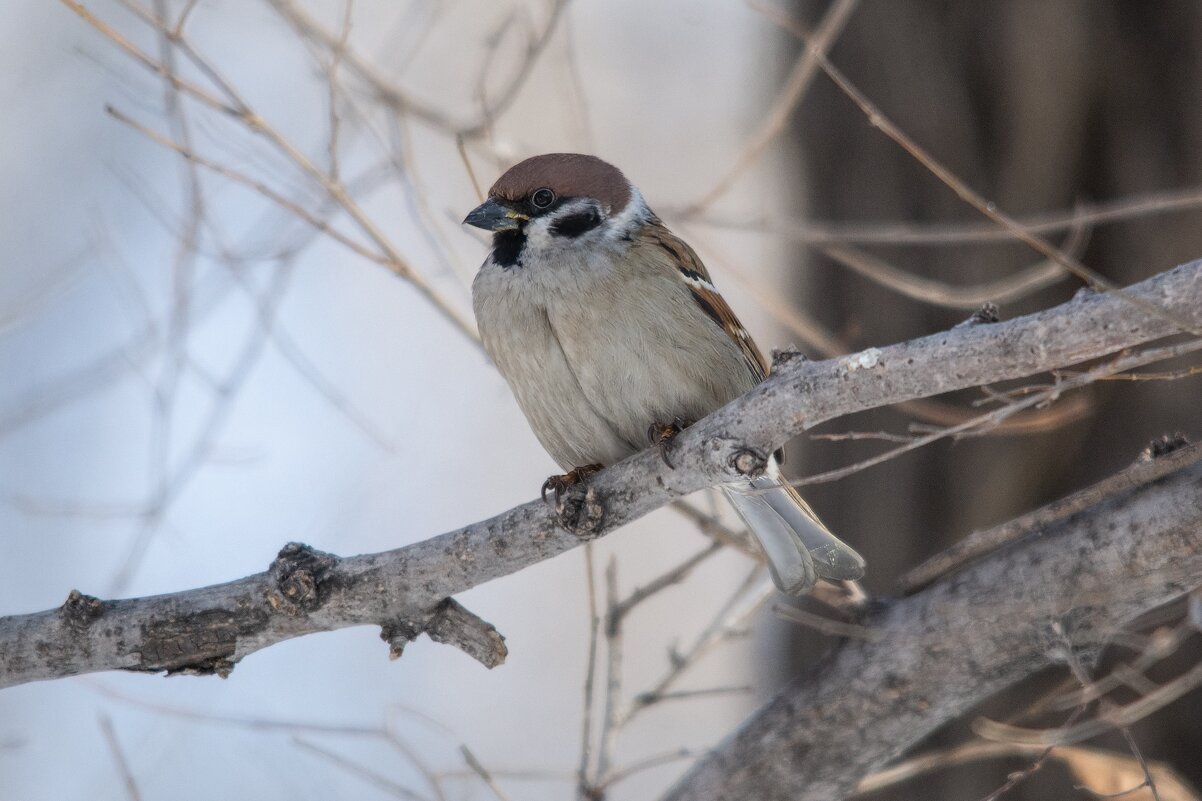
column 609, row 331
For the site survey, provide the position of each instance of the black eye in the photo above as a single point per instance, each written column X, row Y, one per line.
column 542, row 198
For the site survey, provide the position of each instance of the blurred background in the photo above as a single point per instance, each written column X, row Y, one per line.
column 204, row 359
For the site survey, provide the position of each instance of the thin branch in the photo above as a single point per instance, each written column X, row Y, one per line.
column 362, row 771
column 583, row 775
column 240, row 110
column 433, row 779
column 1094, row 280
column 1018, row 777
column 483, row 773
column 662, row 582
column 941, row 293
column 818, row 233
column 877, row 119
column 114, row 746
column 981, row 543
column 1076, row 759
column 791, row 94
column 253, row 184
column 826, row 625
column 387, row 92
column 709, row 525
column 752, row 593
column 611, row 716
column 634, row 768
column 1115, row 718
column 990, row 419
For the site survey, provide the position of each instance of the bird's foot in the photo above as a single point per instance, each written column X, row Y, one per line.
column 561, row 484
column 661, row 436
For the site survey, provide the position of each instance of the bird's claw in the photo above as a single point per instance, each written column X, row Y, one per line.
column 661, row 436
column 561, row 484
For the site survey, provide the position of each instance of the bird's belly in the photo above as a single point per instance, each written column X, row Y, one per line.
column 637, row 370
column 561, row 414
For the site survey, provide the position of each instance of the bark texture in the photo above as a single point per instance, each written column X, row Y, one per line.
column 929, row 658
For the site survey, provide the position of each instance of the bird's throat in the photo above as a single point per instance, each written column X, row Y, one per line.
column 507, row 247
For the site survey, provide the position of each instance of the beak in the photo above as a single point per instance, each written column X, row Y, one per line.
column 492, row 216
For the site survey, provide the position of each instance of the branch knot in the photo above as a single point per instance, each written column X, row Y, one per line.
column 986, row 313
column 581, row 512
column 783, row 356
column 79, row 610
column 297, row 574
column 1163, row 446
column 748, row 462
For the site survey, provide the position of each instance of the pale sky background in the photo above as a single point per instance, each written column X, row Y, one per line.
column 89, row 231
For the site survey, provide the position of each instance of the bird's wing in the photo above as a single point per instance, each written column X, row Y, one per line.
column 697, row 279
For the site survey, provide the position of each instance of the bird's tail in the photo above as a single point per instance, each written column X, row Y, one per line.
column 799, row 548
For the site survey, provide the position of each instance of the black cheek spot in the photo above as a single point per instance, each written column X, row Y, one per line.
column 576, row 224
column 507, row 248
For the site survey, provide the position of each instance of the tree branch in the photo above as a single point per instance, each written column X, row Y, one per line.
column 208, row 630
column 1072, row 583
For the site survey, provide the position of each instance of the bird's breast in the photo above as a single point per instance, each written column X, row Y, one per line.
column 516, row 332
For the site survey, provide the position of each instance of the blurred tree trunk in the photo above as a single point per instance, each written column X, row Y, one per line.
column 1037, row 105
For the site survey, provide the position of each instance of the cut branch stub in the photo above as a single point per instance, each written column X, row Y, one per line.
column 451, row 624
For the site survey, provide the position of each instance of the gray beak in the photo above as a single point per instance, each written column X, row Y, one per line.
column 492, row 216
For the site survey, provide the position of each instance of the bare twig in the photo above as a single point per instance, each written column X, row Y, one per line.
column 877, row 119
column 362, row 771
column 751, row 594
column 777, row 118
column 483, row 773
column 611, row 715
column 818, row 233
column 656, row 760
column 979, row 544
column 671, row 577
column 236, row 106
column 583, row 774
column 388, row 93
column 1077, row 759
column 114, row 746
column 941, row 293
column 826, row 625
column 985, row 421
column 1114, row 718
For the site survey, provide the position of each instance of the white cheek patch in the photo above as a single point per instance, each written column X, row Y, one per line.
column 538, row 235
column 632, row 217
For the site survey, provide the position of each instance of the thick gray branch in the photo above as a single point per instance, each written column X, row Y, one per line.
column 1072, row 583
column 210, row 629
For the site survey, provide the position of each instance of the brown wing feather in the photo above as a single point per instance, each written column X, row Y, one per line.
column 697, row 278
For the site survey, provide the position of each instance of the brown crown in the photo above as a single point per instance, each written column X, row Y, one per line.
column 567, row 175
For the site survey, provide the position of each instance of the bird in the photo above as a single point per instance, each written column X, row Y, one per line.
column 611, row 335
